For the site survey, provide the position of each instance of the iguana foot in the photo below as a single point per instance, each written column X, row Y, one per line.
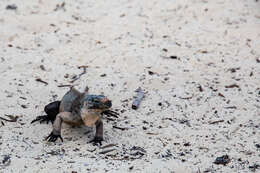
column 52, row 137
column 110, row 113
column 97, row 140
column 42, row 119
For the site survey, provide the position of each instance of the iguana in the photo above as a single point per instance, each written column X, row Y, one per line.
column 76, row 108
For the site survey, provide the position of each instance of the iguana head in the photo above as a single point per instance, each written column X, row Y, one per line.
column 92, row 106
column 97, row 102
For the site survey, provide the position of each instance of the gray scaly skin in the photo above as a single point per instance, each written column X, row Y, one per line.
column 77, row 108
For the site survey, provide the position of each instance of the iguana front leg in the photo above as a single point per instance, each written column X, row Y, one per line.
column 56, row 131
column 99, row 133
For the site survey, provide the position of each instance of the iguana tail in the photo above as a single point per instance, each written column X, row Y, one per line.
column 52, row 110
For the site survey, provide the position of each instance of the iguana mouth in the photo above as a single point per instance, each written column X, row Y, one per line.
column 108, row 104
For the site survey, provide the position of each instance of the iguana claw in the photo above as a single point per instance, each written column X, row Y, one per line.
column 42, row 119
column 110, row 113
column 97, row 140
column 52, row 137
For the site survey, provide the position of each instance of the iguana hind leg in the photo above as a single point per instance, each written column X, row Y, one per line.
column 99, row 133
column 56, row 131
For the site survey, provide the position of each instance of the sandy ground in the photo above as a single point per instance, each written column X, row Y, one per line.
column 198, row 62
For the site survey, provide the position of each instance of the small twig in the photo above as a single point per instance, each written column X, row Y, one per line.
column 23, row 98
column 65, row 85
column 186, row 98
column 106, row 151
column 40, row 80
column 129, row 158
column 215, row 122
column 5, row 119
column 52, row 152
column 221, row 95
column 84, row 72
column 27, row 143
column 149, row 133
column 183, row 121
column 139, row 98
column 83, row 66
column 232, row 86
column 12, row 118
column 60, row 6
column 230, row 107
column 204, row 148
column 120, row 128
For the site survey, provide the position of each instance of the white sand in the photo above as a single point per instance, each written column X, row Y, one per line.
column 124, row 39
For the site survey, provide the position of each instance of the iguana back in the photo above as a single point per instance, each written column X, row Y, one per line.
column 69, row 99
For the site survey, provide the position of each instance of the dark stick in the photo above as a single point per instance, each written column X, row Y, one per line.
column 64, row 85
column 232, row 86
column 186, row 98
column 231, row 107
column 106, row 151
column 12, row 118
column 6, row 119
column 40, row 80
column 139, row 98
column 84, row 72
column 120, row 128
column 215, row 122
